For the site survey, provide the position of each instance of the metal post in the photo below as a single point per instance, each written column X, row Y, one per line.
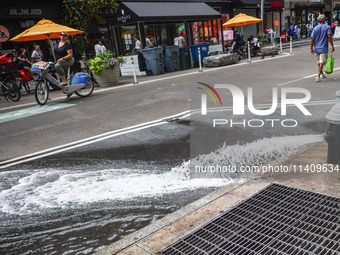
column 199, row 60
column 134, row 72
column 249, row 61
column 332, row 135
column 262, row 12
column 291, row 46
column 273, row 40
column 280, row 45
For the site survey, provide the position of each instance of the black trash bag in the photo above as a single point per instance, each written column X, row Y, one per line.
column 141, row 62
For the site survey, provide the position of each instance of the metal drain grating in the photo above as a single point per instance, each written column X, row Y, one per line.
column 277, row 220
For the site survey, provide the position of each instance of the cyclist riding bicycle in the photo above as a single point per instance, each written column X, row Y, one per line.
column 64, row 56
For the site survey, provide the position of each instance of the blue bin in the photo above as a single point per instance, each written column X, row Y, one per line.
column 154, row 60
column 171, row 58
column 204, row 47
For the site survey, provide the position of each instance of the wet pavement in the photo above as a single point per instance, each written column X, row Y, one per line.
column 162, row 234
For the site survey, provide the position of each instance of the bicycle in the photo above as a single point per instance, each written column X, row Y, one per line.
column 81, row 66
column 8, row 88
column 80, row 83
column 8, row 85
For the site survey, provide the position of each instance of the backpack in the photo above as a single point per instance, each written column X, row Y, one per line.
column 7, row 64
column 26, row 77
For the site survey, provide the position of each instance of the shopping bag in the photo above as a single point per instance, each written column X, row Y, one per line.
column 329, row 65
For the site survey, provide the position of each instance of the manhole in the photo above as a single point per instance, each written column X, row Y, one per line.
column 277, row 220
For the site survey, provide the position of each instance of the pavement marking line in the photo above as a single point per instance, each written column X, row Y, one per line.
column 89, row 140
column 80, row 145
column 27, row 112
column 303, row 78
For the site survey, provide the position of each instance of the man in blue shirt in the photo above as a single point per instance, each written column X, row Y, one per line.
column 321, row 35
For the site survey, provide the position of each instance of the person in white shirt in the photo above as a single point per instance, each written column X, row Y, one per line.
column 37, row 54
column 103, row 48
column 255, row 45
column 97, row 47
column 138, row 45
column 179, row 40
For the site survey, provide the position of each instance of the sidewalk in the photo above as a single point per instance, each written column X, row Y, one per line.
column 159, row 235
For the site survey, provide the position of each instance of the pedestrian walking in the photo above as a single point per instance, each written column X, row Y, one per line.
column 97, row 47
column 265, row 32
column 291, row 30
column 321, row 35
column 333, row 28
column 148, row 43
column 138, row 45
column 179, row 40
column 309, row 28
column 297, row 33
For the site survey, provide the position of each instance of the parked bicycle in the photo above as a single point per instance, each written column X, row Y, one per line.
column 79, row 83
column 8, row 86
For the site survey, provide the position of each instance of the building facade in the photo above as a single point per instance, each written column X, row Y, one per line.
column 160, row 21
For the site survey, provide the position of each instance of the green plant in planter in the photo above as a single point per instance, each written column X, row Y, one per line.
column 262, row 40
column 105, row 60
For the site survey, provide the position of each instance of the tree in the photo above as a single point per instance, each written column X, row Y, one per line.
column 79, row 12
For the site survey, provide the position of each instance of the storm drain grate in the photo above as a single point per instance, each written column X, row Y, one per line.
column 277, row 220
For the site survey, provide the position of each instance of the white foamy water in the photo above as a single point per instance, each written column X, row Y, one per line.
column 38, row 190
column 258, row 152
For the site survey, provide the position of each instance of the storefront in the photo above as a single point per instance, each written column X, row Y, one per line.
column 273, row 17
column 252, row 8
column 336, row 12
column 304, row 13
column 19, row 16
column 161, row 22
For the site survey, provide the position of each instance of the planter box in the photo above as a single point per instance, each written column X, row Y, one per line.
column 108, row 77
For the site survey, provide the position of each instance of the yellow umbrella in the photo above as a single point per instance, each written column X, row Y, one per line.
column 241, row 20
column 43, row 30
